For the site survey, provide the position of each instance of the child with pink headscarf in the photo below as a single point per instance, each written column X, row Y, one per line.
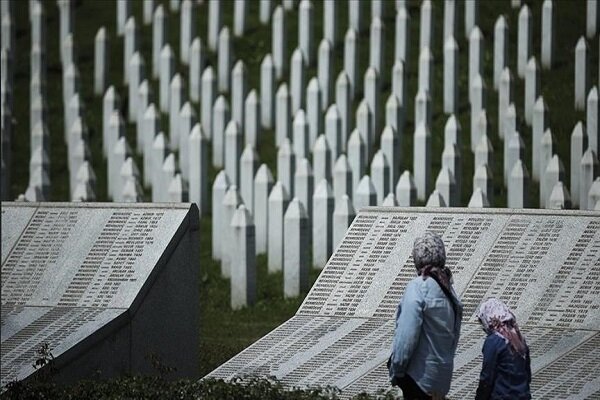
column 506, row 369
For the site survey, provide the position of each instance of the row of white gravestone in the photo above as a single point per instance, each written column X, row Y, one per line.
column 281, row 227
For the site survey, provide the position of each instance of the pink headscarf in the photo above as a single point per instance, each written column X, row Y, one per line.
column 496, row 317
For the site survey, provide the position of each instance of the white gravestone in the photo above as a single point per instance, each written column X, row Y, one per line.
column 295, row 248
column 322, row 223
column 252, row 126
column 233, row 151
column 286, row 166
column 209, row 94
column 518, row 186
column 187, row 32
column 450, row 76
column 422, row 161
column 263, row 183
column 304, row 187
column 314, row 113
column 215, row 22
column 500, row 49
column 248, row 166
column 380, row 172
column 524, row 39
column 198, row 169
column 343, row 215
column 547, row 34
column 220, row 119
column 306, row 34
column 230, row 203
column 278, row 203
column 101, row 61
column 267, row 92
column 243, row 267
column 224, row 59
column 579, row 144
column 297, row 80
column 279, row 42
column 160, row 32
column 197, row 61
column 167, row 71
column 342, row 177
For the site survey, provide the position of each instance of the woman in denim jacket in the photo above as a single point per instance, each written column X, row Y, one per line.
column 506, row 369
column 427, row 326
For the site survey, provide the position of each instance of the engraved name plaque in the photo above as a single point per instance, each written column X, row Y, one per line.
column 100, row 284
column 544, row 264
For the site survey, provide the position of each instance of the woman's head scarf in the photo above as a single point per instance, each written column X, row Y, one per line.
column 497, row 318
column 429, row 256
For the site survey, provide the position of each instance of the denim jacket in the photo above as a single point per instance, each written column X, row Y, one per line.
column 504, row 374
column 427, row 333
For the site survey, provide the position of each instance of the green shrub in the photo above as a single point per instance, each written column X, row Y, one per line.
column 135, row 387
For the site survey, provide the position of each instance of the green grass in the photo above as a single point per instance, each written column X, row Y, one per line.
column 225, row 332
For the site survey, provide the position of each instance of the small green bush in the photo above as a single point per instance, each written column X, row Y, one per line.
column 136, row 387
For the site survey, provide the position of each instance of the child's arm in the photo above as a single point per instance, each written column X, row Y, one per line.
column 488, row 370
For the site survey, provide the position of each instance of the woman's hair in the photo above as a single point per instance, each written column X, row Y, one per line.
column 497, row 318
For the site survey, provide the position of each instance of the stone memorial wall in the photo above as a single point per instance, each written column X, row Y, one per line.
column 108, row 287
column 545, row 265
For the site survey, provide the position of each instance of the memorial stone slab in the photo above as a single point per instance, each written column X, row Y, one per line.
column 436, row 200
column 295, row 258
column 167, row 71
column 559, row 197
column 132, row 44
column 343, row 215
column 380, row 171
column 89, row 280
column 283, row 114
column 422, row 161
column 330, row 21
column 220, row 119
column 450, row 19
column 233, row 151
column 365, row 194
column 475, row 55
